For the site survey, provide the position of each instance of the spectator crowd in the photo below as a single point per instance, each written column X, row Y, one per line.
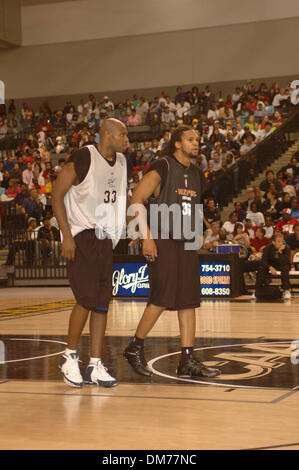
column 35, row 144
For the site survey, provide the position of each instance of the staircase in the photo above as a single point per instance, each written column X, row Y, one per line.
column 283, row 160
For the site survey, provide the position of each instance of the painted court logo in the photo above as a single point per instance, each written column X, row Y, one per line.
column 259, row 365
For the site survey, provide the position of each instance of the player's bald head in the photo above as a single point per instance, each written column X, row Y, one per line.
column 114, row 135
column 111, row 126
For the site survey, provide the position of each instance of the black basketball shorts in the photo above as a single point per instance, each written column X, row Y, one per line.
column 174, row 276
column 90, row 274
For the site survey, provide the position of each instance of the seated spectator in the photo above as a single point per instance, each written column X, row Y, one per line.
column 267, row 130
column 261, row 110
column 294, row 208
column 27, row 174
column 271, row 205
column 251, row 198
column 47, row 235
column 249, row 229
column 293, row 241
column 269, row 108
column 277, row 119
column 284, row 203
column 285, row 226
column 211, row 212
column 183, row 108
column 238, row 210
column 5, row 180
column 258, row 244
column 269, row 227
column 241, row 238
column 270, row 179
column 276, row 257
column 16, row 173
column 26, row 243
column 211, row 236
column 167, row 116
column 164, row 140
column 216, row 161
column 31, row 206
column 229, row 225
column 279, row 97
column 248, row 146
column 134, row 119
column 256, row 217
column 13, row 188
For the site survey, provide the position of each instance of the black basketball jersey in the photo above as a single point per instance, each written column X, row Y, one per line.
column 175, row 212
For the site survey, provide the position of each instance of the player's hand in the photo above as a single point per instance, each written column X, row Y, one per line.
column 68, row 248
column 134, row 242
column 149, row 250
column 273, row 271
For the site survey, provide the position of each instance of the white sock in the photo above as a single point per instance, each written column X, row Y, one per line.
column 94, row 360
column 70, row 351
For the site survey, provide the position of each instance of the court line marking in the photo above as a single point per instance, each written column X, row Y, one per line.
column 35, row 357
column 274, row 447
column 133, row 397
column 286, row 395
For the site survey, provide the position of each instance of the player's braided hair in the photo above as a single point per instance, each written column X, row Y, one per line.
column 176, row 136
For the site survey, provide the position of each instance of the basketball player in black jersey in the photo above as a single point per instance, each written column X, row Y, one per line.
column 173, row 270
column 76, row 195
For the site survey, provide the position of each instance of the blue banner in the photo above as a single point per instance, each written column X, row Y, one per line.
column 131, row 279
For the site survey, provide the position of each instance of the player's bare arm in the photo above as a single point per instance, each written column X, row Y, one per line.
column 66, row 178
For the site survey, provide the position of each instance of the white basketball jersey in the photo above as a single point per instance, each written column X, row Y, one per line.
column 99, row 201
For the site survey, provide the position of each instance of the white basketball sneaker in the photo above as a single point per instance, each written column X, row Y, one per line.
column 69, row 366
column 98, row 374
column 287, row 295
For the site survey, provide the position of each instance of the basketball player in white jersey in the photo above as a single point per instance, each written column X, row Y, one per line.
column 90, row 189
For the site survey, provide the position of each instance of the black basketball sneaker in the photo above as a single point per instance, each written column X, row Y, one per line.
column 191, row 368
column 135, row 356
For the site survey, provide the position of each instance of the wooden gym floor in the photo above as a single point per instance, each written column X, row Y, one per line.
column 252, row 404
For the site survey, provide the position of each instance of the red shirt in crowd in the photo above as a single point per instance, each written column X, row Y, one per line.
column 286, row 227
column 258, row 243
